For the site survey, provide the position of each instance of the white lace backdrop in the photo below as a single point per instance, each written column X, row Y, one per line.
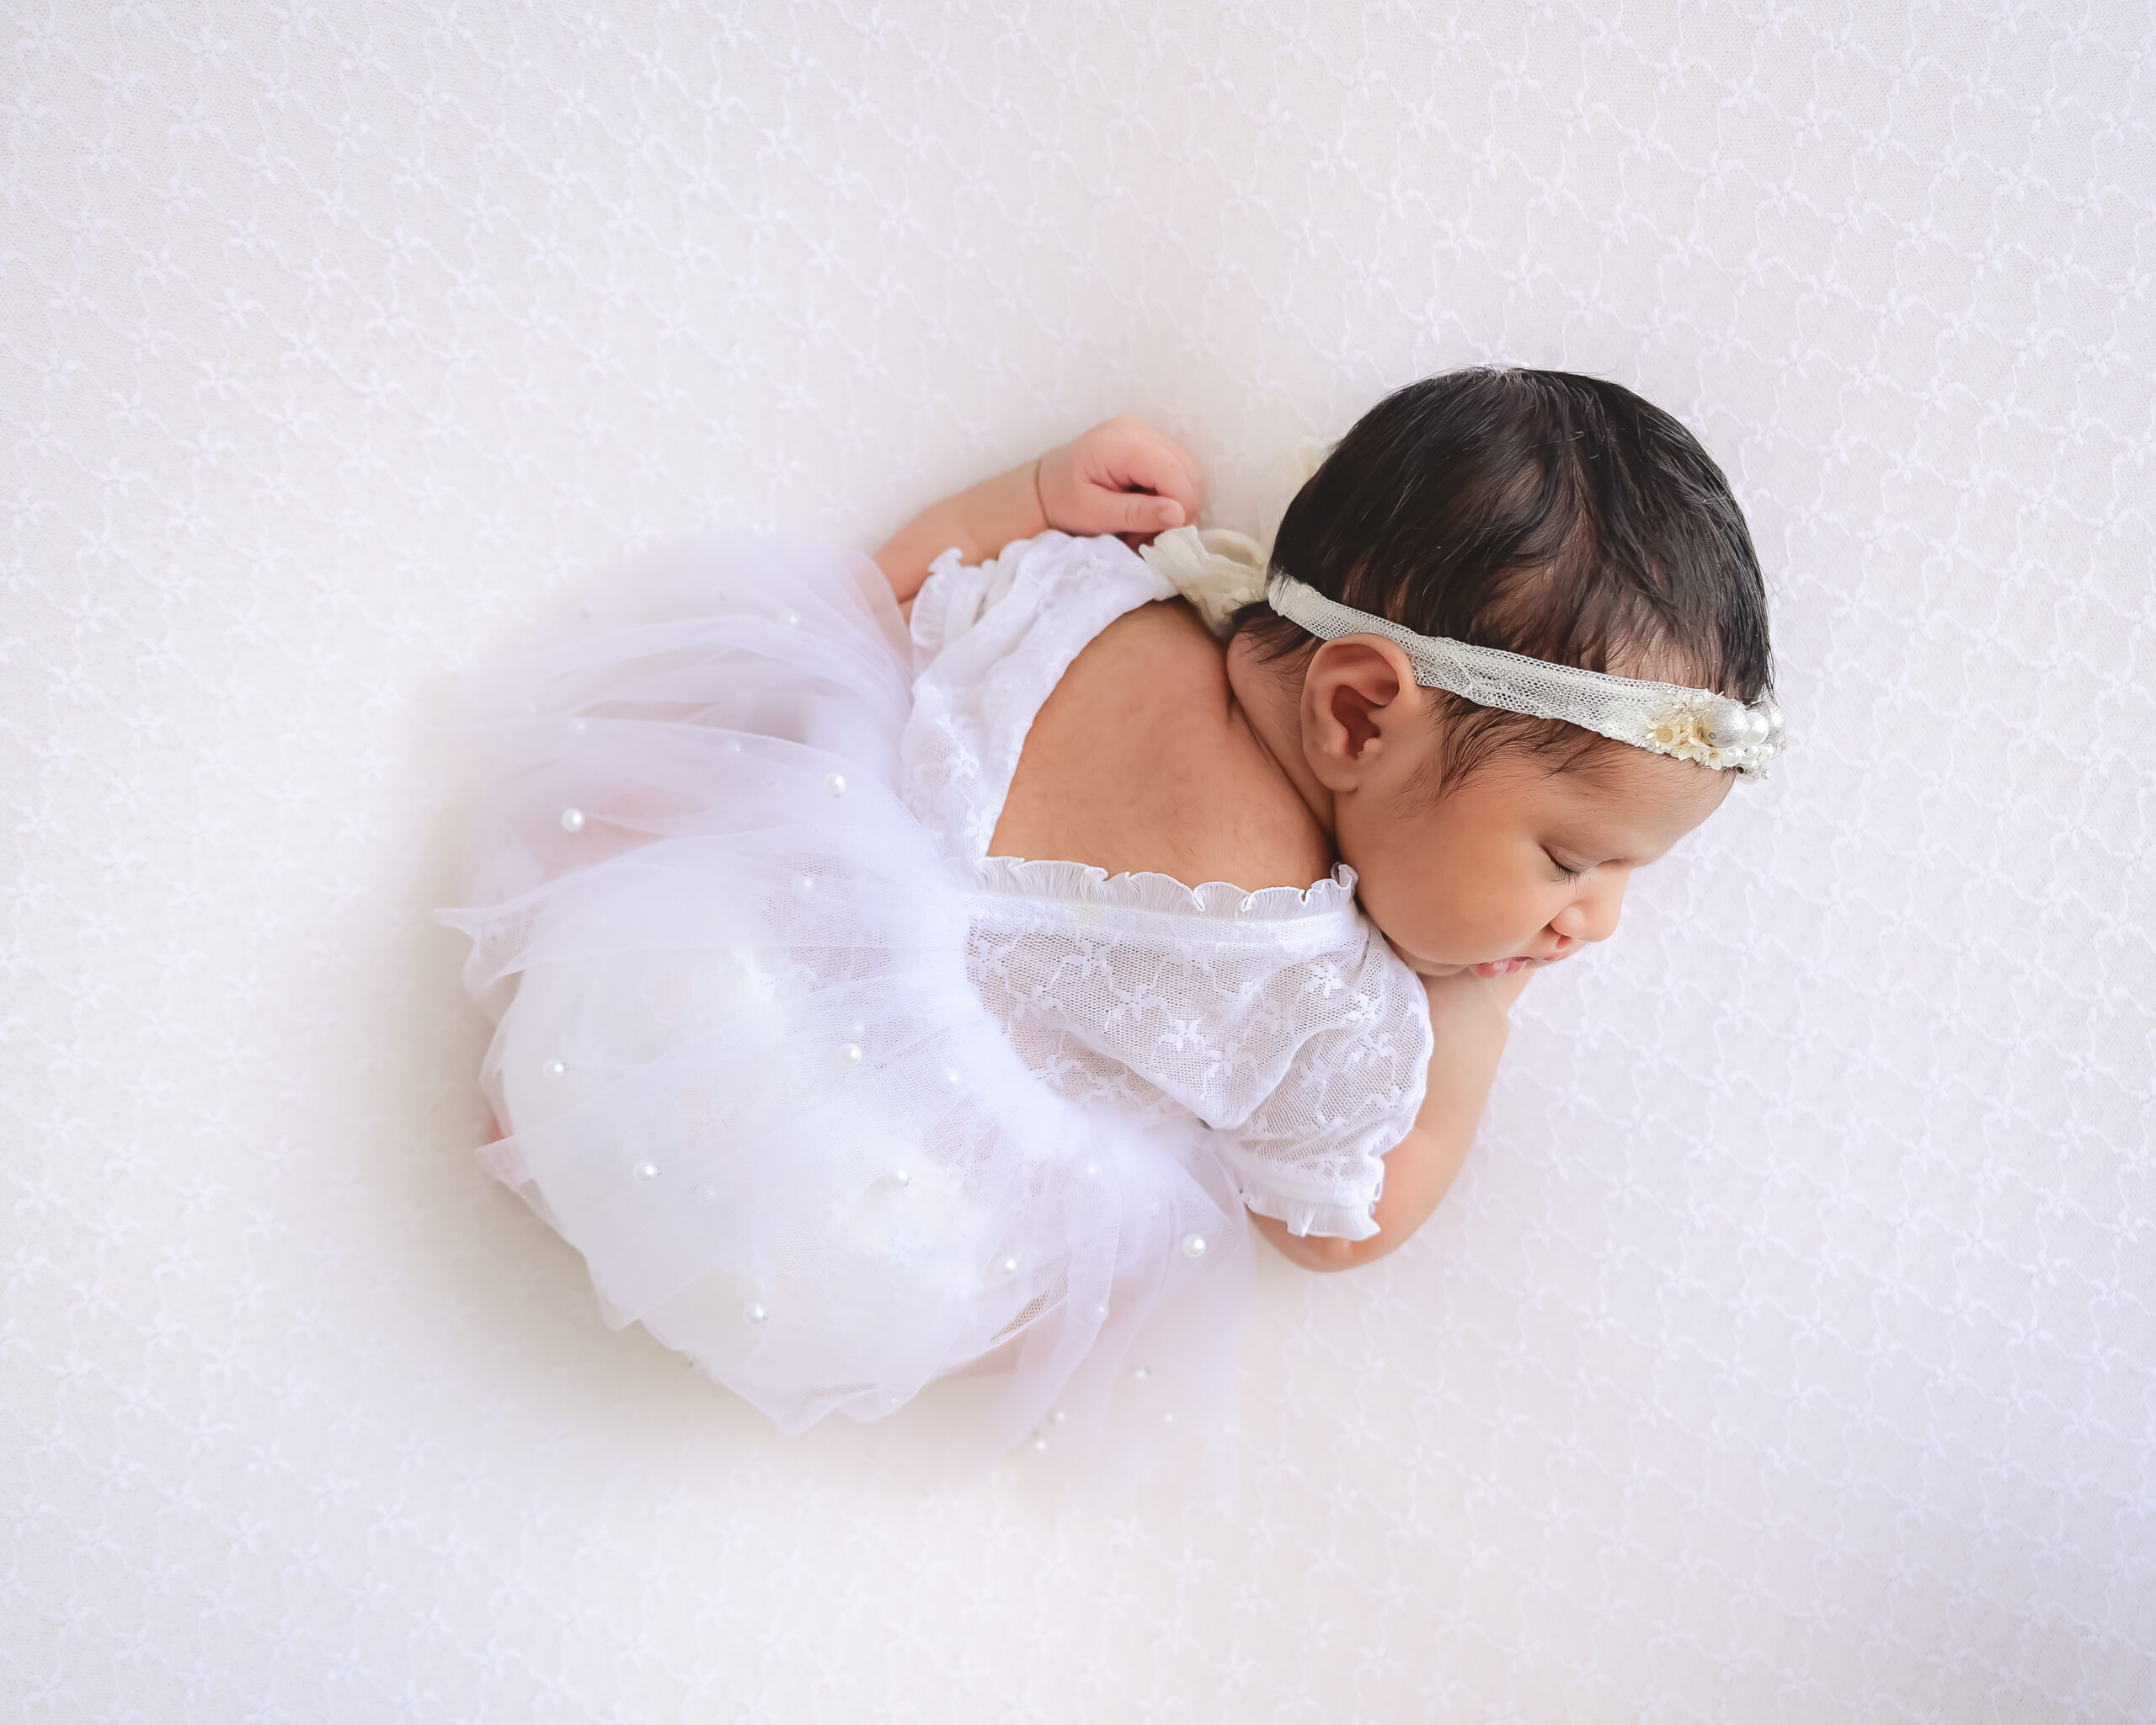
column 1788, row 1350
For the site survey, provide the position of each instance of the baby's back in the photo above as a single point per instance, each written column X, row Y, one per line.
column 1141, row 761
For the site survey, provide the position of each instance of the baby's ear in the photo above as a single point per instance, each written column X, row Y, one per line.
column 1358, row 690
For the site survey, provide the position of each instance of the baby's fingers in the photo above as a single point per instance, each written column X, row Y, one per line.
column 1134, row 512
column 1129, row 455
column 1122, row 477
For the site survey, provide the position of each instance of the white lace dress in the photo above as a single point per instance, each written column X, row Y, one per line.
column 836, row 1103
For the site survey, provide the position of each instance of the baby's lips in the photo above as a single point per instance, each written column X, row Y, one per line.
column 1505, row 967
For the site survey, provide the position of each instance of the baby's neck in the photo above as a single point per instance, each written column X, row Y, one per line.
column 1272, row 703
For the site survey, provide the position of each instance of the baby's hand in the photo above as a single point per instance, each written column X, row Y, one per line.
column 1122, row 477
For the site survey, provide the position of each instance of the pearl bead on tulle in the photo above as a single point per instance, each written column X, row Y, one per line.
column 571, row 820
column 1100, row 1313
column 646, row 1172
column 1006, row 1266
column 755, row 1315
column 555, row 1069
column 1040, row 1441
column 1193, row 1246
column 900, row 1177
column 1141, row 1373
column 835, row 782
column 952, row 1080
column 849, row 1054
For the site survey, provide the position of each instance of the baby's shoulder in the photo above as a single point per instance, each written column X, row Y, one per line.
column 1140, row 761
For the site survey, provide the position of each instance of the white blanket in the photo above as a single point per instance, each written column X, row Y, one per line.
column 1789, row 1349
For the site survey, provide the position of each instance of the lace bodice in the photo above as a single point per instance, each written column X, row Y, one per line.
column 1280, row 1018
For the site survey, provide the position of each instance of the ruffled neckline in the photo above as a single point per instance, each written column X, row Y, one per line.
column 1082, row 882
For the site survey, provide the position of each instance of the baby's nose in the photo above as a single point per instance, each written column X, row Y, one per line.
column 1590, row 917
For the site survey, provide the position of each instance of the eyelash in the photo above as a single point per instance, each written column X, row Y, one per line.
column 1564, row 873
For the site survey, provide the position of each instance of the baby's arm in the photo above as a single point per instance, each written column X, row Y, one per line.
column 1122, row 477
column 1468, row 1022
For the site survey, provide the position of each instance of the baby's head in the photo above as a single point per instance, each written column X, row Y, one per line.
column 1547, row 515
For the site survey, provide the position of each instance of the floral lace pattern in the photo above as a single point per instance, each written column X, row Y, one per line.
column 1279, row 1017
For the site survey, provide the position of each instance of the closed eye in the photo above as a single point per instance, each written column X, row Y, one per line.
column 1565, row 872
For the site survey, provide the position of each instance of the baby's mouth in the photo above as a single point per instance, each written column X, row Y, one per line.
column 1505, row 967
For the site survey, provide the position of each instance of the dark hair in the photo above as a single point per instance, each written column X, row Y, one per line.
column 1545, row 513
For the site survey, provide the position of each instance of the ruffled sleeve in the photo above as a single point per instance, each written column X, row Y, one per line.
column 1280, row 1019
column 1311, row 1152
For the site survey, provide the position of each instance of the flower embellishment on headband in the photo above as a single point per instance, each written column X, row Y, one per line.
column 1715, row 731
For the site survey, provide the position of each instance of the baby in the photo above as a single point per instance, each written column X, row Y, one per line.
column 888, row 995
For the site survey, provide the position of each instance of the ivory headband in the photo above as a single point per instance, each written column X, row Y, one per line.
column 1220, row 572
column 1668, row 718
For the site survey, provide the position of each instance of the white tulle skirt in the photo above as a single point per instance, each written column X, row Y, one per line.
column 739, row 1062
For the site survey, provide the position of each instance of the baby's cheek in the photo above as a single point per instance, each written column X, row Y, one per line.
column 1428, row 938
column 1480, row 930
column 1436, row 907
